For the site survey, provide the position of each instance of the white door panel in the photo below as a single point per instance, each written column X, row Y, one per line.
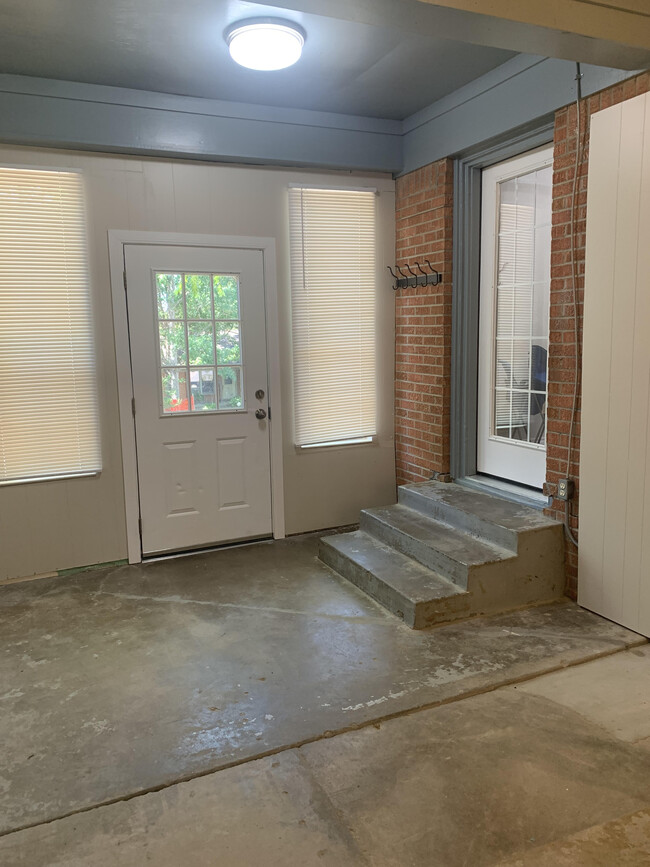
column 513, row 318
column 198, row 354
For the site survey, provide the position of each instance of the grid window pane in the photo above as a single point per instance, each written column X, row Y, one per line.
column 169, row 294
column 198, row 296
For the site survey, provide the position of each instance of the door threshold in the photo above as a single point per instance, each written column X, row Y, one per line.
column 191, row 552
column 506, row 490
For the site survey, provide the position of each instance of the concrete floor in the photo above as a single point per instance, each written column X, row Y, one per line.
column 248, row 707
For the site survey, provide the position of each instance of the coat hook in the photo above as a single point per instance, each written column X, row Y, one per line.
column 417, row 265
column 411, row 271
column 393, row 275
column 401, row 272
column 433, row 270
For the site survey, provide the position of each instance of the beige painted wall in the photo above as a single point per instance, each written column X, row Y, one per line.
column 614, row 553
column 63, row 524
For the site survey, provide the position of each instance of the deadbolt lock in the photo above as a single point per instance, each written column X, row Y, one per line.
column 259, row 394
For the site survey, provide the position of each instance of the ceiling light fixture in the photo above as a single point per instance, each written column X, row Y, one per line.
column 265, row 43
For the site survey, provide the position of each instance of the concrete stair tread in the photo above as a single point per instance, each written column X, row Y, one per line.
column 438, row 536
column 503, row 513
column 397, row 571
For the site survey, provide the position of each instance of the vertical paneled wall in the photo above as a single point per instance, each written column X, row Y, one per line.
column 614, row 558
column 48, row 526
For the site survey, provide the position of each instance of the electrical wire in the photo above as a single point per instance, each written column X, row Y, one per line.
column 580, row 145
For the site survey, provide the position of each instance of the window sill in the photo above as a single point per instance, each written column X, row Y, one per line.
column 340, row 444
column 63, row 477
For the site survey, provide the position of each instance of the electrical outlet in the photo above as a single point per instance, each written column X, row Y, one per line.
column 565, row 488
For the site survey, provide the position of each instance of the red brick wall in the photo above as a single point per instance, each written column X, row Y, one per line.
column 424, row 202
column 562, row 343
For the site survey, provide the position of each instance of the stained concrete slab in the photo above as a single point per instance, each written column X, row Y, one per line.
column 122, row 681
column 622, row 842
column 268, row 812
column 500, row 778
column 473, row 782
column 623, row 708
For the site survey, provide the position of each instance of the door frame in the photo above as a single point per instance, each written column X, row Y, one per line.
column 468, row 168
column 117, row 239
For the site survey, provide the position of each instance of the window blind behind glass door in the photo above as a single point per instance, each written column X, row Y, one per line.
column 48, row 405
column 333, row 274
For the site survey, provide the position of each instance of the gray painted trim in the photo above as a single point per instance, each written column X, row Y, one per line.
column 96, row 118
column 514, row 95
column 465, row 295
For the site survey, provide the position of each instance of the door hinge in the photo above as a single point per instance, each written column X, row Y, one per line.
column 269, row 413
column 133, row 406
column 140, row 526
column 124, row 278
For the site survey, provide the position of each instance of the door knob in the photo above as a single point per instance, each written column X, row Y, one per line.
column 260, row 413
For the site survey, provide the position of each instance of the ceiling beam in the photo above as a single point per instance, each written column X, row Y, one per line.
column 614, row 33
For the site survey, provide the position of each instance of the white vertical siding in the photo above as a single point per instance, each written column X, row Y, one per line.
column 614, row 555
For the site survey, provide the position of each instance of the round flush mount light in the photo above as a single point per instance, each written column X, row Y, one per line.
column 265, row 43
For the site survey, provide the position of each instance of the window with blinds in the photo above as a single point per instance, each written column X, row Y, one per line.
column 48, row 404
column 333, row 273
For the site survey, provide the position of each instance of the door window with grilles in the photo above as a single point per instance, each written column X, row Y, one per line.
column 48, row 400
column 333, row 286
column 199, row 342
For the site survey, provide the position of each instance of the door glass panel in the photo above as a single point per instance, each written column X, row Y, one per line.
column 199, row 327
column 169, row 295
column 226, row 297
column 229, row 385
column 200, row 338
column 174, row 390
column 172, row 343
column 522, row 306
column 228, row 343
column 198, row 297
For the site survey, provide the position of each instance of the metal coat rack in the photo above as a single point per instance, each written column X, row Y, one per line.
column 413, row 279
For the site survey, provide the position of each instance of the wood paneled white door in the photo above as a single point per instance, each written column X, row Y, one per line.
column 614, row 553
column 198, row 355
column 513, row 318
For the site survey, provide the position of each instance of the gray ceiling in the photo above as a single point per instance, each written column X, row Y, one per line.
column 174, row 47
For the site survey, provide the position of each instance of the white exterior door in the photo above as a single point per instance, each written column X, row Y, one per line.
column 513, row 318
column 198, row 355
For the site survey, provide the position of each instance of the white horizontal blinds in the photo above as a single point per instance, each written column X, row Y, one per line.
column 48, row 404
column 333, row 306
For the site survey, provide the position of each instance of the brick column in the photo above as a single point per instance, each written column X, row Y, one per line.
column 424, row 214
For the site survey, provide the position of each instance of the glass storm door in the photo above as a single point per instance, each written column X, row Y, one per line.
column 513, row 318
column 198, row 354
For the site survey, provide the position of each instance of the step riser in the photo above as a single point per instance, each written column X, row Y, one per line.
column 417, row 615
column 366, row 581
column 469, row 523
column 435, row 560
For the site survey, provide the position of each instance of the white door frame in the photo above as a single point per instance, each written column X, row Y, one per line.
column 117, row 238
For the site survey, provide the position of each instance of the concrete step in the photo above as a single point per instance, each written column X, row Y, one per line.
column 446, row 550
column 406, row 588
column 483, row 516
